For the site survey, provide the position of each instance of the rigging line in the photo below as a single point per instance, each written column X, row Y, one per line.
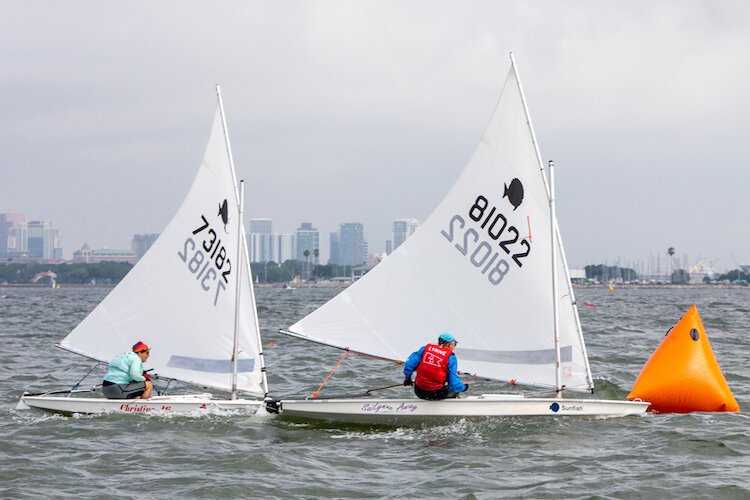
column 77, row 384
column 311, row 339
column 65, row 391
column 475, row 378
column 163, row 391
column 528, row 222
column 378, row 358
column 383, row 388
column 364, row 394
column 330, row 374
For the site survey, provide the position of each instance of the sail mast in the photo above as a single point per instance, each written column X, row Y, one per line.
column 238, row 194
column 555, row 307
column 238, row 292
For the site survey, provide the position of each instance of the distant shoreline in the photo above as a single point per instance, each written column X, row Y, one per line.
column 664, row 285
column 61, row 285
column 346, row 284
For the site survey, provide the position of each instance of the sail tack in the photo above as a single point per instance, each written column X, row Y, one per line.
column 479, row 267
column 180, row 297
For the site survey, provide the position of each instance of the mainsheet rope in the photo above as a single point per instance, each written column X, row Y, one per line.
column 341, row 360
column 330, row 374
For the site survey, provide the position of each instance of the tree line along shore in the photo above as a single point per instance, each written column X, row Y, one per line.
column 270, row 273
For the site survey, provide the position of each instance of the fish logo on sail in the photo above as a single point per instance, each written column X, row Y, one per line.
column 224, row 213
column 514, row 193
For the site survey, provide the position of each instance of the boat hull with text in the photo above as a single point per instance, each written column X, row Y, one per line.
column 409, row 410
column 191, row 403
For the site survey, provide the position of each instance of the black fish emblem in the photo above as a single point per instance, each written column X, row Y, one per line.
column 514, row 192
column 224, row 212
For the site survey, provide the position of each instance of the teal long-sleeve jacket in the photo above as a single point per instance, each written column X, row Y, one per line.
column 125, row 368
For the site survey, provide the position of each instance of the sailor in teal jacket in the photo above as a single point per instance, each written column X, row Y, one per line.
column 125, row 377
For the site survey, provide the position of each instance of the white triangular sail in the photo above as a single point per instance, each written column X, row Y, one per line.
column 180, row 297
column 480, row 267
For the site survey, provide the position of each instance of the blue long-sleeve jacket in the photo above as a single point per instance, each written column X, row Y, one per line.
column 454, row 383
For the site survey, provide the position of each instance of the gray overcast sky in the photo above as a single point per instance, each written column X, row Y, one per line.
column 367, row 111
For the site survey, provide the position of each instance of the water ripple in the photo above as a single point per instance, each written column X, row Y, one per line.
column 226, row 455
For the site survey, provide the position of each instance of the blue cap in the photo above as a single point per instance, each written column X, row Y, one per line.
column 447, row 337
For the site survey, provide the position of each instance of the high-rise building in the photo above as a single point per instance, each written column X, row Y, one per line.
column 18, row 240
column 283, row 248
column 308, row 238
column 12, row 234
column 335, row 257
column 141, row 243
column 261, row 240
column 267, row 246
column 261, row 226
column 352, row 244
column 402, row 229
column 38, row 239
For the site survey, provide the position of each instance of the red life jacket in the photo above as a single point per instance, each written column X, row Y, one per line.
column 432, row 370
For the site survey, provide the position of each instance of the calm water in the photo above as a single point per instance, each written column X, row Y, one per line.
column 228, row 456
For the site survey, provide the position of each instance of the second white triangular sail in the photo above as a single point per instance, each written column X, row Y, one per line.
column 479, row 267
column 180, row 297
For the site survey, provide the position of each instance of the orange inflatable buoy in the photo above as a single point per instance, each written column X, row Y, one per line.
column 682, row 375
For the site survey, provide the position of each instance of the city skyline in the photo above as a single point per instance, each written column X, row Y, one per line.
column 286, row 246
column 35, row 238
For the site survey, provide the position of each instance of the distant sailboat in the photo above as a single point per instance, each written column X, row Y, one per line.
column 48, row 274
column 190, row 297
column 488, row 266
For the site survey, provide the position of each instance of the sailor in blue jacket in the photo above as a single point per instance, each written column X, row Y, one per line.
column 437, row 370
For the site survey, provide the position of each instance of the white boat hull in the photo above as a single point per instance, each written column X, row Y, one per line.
column 191, row 403
column 407, row 411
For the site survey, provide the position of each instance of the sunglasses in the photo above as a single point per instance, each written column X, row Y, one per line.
column 147, row 351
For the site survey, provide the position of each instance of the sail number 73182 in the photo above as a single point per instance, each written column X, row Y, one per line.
column 207, row 260
column 482, row 245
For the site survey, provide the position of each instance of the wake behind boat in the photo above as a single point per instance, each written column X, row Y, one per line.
column 487, row 265
column 190, row 297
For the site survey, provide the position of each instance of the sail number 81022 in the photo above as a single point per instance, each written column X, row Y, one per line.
column 482, row 254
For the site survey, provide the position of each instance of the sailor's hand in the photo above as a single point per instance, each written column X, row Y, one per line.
column 466, row 388
column 408, row 382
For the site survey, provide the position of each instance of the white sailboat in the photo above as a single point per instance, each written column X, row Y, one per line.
column 190, row 298
column 488, row 266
